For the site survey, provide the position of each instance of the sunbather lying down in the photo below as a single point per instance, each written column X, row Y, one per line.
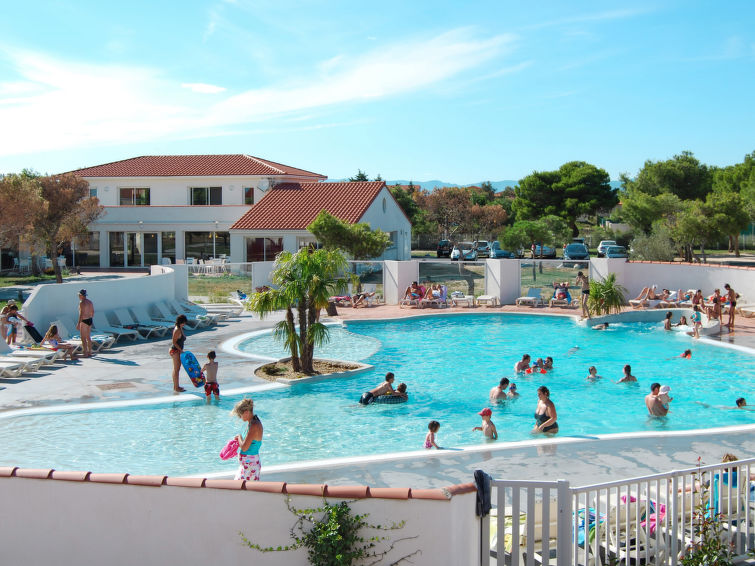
column 358, row 299
column 649, row 298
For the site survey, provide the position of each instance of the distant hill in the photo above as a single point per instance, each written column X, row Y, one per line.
column 498, row 186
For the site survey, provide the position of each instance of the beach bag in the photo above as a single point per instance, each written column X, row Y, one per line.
column 230, row 450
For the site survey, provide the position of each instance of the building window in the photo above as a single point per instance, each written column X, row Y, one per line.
column 385, row 205
column 204, row 245
column 202, row 196
column 249, row 195
column 134, row 197
column 168, row 241
column 394, row 239
column 263, row 249
column 93, row 193
column 86, row 249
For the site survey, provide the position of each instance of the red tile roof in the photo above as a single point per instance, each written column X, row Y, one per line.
column 193, row 166
column 293, row 206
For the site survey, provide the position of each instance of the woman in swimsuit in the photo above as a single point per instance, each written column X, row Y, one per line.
column 177, row 348
column 545, row 413
column 249, row 444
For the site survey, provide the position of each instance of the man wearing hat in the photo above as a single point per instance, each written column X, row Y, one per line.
column 86, row 315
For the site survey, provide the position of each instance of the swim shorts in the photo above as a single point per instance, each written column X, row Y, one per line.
column 211, row 387
column 366, row 398
column 87, row 321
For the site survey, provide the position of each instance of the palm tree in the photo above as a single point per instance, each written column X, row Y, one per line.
column 606, row 296
column 305, row 280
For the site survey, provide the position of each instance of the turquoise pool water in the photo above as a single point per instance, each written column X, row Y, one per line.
column 449, row 363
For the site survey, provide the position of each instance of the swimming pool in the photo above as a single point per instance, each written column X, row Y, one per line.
column 449, row 362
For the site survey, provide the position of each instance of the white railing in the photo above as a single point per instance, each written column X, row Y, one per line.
column 654, row 519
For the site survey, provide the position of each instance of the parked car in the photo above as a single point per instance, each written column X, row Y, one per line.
column 483, row 248
column 576, row 251
column 616, row 251
column 497, row 253
column 544, row 251
column 603, row 245
column 444, row 248
column 464, row 251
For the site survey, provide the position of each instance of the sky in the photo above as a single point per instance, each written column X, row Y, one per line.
column 456, row 91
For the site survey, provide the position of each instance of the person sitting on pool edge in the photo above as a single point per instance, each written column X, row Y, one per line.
column 384, row 388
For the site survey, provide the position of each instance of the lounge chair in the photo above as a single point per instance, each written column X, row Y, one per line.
column 29, row 364
column 21, row 355
column 102, row 325
column 565, row 302
column 747, row 310
column 438, row 302
column 196, row 309
column 532, row 298
column 140, row 312
column 197, row 315
column 145, row 328
column 100, row 340
column 11, row 369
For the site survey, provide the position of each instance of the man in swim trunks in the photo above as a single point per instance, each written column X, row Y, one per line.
column 499, row 391
column 84, row 326
column 584, row 282
column 653, row 403
column 731, row 296
column 384, row 388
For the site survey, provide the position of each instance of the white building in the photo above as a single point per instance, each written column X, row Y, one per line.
column 174, row 207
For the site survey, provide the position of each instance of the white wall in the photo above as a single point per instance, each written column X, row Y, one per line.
column 47, row 521
column 390, row 220
column 503, row 279
column 636, row 275
column 397, row 276
column 48, row 301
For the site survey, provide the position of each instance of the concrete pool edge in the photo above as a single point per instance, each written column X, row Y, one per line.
column 491, row 447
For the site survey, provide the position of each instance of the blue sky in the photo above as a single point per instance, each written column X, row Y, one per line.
column 461, row 92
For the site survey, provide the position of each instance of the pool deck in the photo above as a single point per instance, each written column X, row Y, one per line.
column 141, row 370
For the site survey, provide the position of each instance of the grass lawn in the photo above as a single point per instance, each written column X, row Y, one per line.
column 11, row 280
column 218, row 288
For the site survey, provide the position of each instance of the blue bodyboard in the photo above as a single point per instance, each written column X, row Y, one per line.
column 191, row 365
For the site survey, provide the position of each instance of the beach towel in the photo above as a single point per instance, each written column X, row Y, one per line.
column 230, row 450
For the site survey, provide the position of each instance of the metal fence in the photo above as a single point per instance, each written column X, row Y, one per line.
column 655, row 519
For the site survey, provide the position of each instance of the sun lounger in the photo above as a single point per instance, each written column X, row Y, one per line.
column 196, row 309
column 102, row 325
column 145, row 328
column 11, row 369
column 100, row 340
column 165, row 312
column 192, row 314
column 140, row 312
column 532, row 298
column 45, row 355
column 489, row 300
column 438, row 302
column 29, row 364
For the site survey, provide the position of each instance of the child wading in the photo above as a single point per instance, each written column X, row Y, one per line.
column 210, row 371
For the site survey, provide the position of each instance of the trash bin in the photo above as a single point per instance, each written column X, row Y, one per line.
column 331, row 309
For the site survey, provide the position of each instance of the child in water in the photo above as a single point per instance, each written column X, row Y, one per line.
column 663, row 396
column 210, row 371
column 593, row 375
column 487, row 427
column 432, row 428
column 687, row 354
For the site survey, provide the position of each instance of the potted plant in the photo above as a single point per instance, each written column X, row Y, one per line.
column 606, row 296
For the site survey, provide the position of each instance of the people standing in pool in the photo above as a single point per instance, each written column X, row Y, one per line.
column 523, row 364
column 592, row 374
column 653, row 403
column 512, row 391
column 697, row 322
column 731, row 297
column 249, row 444
column 385, row 388
column 628, row 377
column 548, row 363
column 176, row 349
column 432, row 429
column 545, row 412
column 667, row 321
column 210, row 371
column 499, row 391
column 487, row 427
column 84, row 325
column 584, row 282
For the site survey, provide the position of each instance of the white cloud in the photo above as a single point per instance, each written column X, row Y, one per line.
column 56, row 104
column 203, row 88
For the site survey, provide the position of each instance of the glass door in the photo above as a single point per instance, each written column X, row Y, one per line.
column 150, row 248
column 133, row 249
